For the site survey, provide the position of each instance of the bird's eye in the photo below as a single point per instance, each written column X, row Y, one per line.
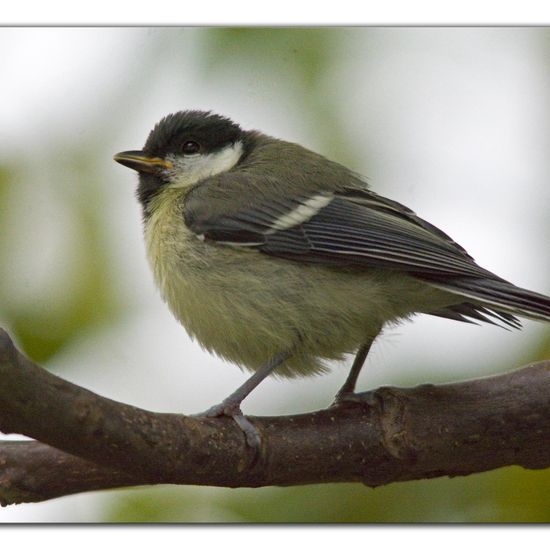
column 190, row 148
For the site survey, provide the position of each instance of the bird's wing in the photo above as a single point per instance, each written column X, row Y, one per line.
column 353, row 227
column 357, row 228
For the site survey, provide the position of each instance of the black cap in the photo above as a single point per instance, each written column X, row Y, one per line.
column 211, row 131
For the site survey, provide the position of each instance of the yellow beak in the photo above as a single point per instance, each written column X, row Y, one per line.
column 138, row 160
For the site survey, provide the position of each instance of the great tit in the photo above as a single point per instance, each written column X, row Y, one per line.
column 277, row 259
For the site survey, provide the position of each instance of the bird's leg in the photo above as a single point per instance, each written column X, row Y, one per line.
column 231, row 405
column 347, row 391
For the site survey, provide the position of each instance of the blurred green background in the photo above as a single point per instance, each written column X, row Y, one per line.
column 452, row 122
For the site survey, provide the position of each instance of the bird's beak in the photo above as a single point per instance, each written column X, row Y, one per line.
column 138, row 160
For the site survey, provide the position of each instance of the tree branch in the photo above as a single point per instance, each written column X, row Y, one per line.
column 88, row 442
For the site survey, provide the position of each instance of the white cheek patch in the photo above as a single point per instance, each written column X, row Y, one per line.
column 188, row 170
column 301, row 213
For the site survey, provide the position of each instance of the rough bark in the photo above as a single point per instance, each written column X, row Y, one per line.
column 87, row 442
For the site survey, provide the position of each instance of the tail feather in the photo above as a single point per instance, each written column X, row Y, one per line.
column 471, row 313
column 500, row 296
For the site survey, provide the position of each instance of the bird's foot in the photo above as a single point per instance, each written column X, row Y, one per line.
column 346, row 397
column 233, row 410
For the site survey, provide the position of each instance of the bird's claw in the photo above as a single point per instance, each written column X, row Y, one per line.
column 343, row 398
column 233, row 410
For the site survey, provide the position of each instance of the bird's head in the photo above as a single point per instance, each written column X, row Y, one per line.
column 183, row 149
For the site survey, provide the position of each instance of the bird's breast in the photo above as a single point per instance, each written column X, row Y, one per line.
column 247, row 306
column 171, row 246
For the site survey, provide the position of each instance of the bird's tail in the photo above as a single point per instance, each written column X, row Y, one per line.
column 500, row 296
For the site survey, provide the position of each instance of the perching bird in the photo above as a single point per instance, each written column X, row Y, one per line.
column 278, row 259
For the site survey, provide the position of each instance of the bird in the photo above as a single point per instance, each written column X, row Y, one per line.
column 279, row 260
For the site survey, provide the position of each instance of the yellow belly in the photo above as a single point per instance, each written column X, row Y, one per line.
column 246, row 306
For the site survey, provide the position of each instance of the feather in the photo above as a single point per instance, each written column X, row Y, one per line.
column 355, row 228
